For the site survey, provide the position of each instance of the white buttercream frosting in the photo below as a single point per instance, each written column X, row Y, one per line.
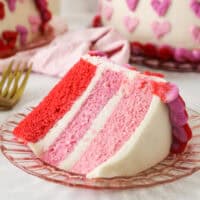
column 148, row 145
column 180, row 16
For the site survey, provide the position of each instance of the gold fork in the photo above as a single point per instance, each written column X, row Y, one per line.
column 13, row 83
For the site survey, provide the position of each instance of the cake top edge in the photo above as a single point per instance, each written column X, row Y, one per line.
column 102, row 61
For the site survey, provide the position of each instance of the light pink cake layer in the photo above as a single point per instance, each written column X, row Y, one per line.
column 122, row 123
column 102, row 92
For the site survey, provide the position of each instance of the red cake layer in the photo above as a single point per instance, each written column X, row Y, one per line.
column 106, row 87
column 57, row 103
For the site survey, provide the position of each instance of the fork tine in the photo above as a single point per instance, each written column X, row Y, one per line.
column 4, row 102
column 16, row 80
column 20, row 90
column 7, row 93
column 15, row 86
column 17, row 69
column 21, row 71
column 6, row 90
column 5, row 74
column 12, row 84
column 23, row 84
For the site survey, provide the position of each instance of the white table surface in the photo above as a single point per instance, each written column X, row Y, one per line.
column 17, row 185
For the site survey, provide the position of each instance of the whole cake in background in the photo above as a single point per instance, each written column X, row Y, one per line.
column 104, row 120
column 164, row 29
column 21, row 22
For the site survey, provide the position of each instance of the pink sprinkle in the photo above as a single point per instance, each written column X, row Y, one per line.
column 182, row 54
column 195, row 6
column 97, row 53
column 23, row 33
column 42, row 3
column 178, row 118
column 35, row 22
column 35, row 19
column 172, row 94
column 180, row 134
column 128, row 66
column 11, row 5
column 177, row 105
column 196, row 55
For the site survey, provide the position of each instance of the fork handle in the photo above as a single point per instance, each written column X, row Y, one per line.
column 4, row 102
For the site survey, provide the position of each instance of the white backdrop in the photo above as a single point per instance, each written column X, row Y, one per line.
column 78, row 11
column 78, row 6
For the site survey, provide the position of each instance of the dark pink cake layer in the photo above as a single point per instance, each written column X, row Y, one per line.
column 103, row 91
column 120, row 126
column 57, row 103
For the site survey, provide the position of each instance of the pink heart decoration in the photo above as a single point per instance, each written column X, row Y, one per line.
column 161, row 6
column 108, row 12
column 132, row 4
column 195, row 6
column 172, row 93
column 131, row 23
column 196, row 33
column 160, row 29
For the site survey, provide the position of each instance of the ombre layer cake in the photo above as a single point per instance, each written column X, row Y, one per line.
column 104, row 120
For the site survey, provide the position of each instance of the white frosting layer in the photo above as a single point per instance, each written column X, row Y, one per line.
column 20, row 16
column 44, row 143
column 181, row 17
column 97, row 125
column 104, row 63
column 148, row 145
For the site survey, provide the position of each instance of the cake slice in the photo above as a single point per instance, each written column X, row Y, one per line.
column 104, row 120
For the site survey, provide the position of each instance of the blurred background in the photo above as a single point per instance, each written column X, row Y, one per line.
column 76, row 11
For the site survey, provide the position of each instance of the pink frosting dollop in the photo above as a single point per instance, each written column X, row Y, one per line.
column 181, row 132
column 179, row 121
